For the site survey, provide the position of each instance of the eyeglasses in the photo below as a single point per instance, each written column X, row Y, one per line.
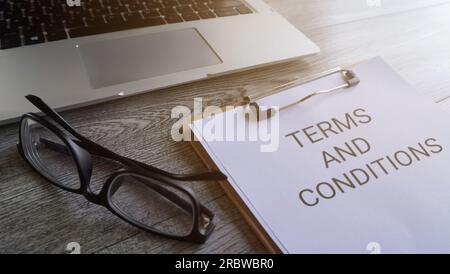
column 140, row 194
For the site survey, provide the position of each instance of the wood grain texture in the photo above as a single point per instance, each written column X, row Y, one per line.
column 412, row 36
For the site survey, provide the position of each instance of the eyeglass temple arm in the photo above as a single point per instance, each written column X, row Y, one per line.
column 97, row 149
column 42, row 106
column 209, row 175
column 201, row 176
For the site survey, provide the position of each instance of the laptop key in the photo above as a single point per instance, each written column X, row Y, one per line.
column 185, row 2
column 133, row 18
column 118, row 9
column 19, row 22
column 190, row 16
column 222, row 12
column 174, row 18
column 95, row 21
column 127, row 2
column 86, row 31
column 55, row 26
column 170, row 3
column 200, row 7
column 4, row 6
column 78, row 12
column 206, row 14
column 150, row 13
column 74, row 23
column 244, row 10
column 135, row 6
column 110, row 2
column 225, row 4
column 36, row 20
column 99, row 11
column 33, row 38
column 115, row 19
column 12, row 14
column 56, row 35
column 168, row 11
column 93, row 4
column 12, row 41
column 9, row 32
column 114, row 24
column 150, row 4
column 184, row 9
column 154, row 21
column 53, row 9
column 32, row 29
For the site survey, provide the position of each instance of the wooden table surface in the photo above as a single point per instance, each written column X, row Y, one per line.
column 411, row 35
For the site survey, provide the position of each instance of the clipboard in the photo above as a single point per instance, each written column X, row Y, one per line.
column 350, row 79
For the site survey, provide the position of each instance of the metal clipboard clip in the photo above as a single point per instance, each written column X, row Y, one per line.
column 349, row 77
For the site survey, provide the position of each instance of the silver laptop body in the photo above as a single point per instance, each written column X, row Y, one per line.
column 212, row 38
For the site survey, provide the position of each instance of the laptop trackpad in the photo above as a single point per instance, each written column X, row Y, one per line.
column 122, row 60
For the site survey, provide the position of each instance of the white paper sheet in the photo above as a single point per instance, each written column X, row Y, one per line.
column 406, row 210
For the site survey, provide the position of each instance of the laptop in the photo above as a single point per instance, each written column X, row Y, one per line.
column 79, row 52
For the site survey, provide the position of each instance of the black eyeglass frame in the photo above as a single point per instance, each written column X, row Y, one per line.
column 81, row 149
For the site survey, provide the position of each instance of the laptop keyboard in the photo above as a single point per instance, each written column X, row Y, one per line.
column 29, row 22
